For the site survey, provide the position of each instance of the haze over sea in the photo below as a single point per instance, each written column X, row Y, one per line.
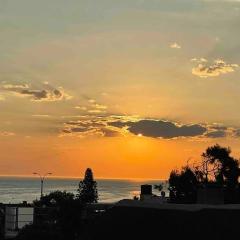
column 18, row 189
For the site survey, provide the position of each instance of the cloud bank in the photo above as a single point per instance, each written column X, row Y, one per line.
column 161, row 129
column 112, row 126
column 88, row 126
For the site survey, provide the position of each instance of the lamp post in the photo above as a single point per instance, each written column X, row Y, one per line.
column 42, row 178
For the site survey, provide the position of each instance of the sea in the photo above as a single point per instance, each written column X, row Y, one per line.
column 19, row 189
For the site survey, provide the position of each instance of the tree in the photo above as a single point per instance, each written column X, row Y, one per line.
column 87, row 191
column 54, row 198
column 58, row 211
column 219, row 165
column 183, row 185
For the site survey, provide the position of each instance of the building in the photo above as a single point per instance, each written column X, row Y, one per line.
column 146, row 192
column 147, row 195
column 15, row 217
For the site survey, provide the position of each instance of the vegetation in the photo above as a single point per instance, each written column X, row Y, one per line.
column 57, row 222
column 59, row 215
column 54, row 198
column 217, row 168
column 217, row 164
column 183, row 186
column 87, row 191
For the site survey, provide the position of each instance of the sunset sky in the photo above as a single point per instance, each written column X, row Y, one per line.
column 130, row 88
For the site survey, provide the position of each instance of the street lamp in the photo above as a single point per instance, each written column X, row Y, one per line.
column 42, row 178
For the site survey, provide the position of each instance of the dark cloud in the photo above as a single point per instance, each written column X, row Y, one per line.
column 86, row 123
column 66, row 131
column 47, row 93
column 89, row 127
column 216, row 134
column 236, row 133
column 160, row 129
column 112, row 126
column 110, row 133
column 78, row 129
column 119, row 124
column 36, row 94
column 223, row 128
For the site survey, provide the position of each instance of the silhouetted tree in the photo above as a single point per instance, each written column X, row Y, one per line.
column 183, row 185
column 47, row 208
column 217, row 167
column 58, row 215
column 54, row 198
column 218, row 163
column 87, row 191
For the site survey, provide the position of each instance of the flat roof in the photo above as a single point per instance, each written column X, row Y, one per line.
column 172, row 206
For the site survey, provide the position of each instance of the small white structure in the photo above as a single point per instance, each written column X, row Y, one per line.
column 17, row 217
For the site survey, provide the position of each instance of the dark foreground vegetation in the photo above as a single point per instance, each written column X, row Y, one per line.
column 61, row 215
column 216, row 169
column 55, row 223
column 122, row 223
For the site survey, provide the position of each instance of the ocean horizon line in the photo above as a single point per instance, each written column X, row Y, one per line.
column 81, row 177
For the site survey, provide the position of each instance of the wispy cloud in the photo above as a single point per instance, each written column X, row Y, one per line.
column 7, row 134
column 2, row 98
column 100, row 106
column 199, row 60
column 15, row 87
column 47, row 93
column 91, row 100
column 56, row 94
column 218, row 67
column 92, row 106
column 175, row 46
column 41, row 115
column 216, row 134
column 83, row 108
column 96, row 111
column 89, row 126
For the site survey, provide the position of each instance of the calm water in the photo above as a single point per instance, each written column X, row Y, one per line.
column 16, row 189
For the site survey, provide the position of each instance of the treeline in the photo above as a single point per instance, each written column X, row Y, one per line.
column 58, row 215
column 217, row 169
